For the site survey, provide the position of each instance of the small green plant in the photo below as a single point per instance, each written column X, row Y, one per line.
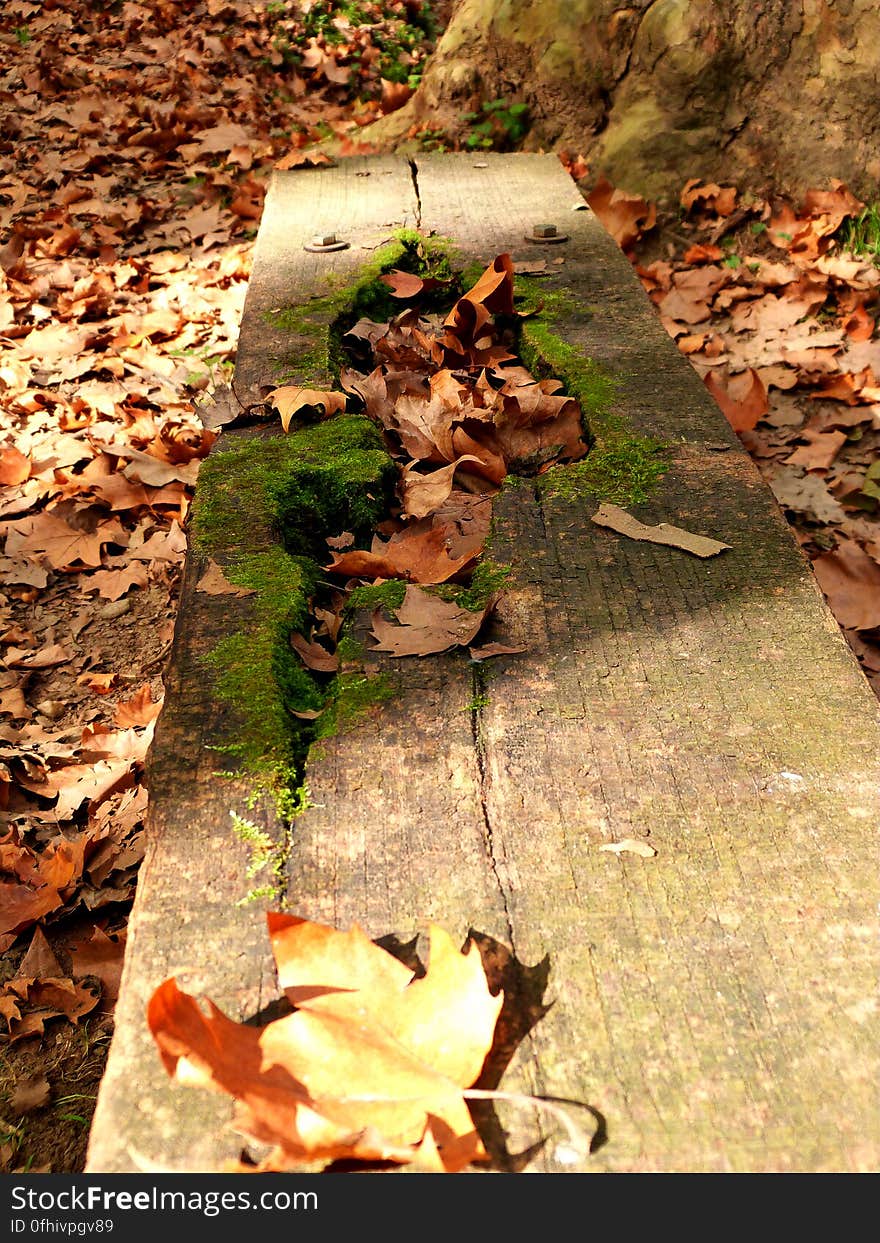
column 23, row 35
column 265, row 853
column 498, row 125
column 861, row 236
column 67, row 1115
column 433, row 140
column 757, row 227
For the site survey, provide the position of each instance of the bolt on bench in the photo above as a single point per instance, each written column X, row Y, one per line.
column 714, row 1003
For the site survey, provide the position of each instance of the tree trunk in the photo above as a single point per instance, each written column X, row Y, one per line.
column 764, row 93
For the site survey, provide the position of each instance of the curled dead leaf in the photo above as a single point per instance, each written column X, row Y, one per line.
column 291, row 398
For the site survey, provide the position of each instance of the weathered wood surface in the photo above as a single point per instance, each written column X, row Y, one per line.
column 716, row 1003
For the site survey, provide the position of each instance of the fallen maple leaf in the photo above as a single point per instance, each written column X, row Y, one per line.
column 625, row 216
column 370, row 1063
column 850, row 580
column 418, row 553
column 743, row 401
column 719, row 199
column 215, row 583
column 314, row 655
column 139, row 710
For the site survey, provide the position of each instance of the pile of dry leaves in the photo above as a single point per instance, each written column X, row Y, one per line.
column 459, row 412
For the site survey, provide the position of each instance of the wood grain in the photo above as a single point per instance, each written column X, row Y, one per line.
column 716, row 1004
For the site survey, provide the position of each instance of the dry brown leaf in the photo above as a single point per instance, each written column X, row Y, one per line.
column 422, row 494
column 418, row 553
column 314, row 655
column 30, row 1094
column 291, row 398
column 820, row 451
column 617, row 519
column 101, row 956
column 113, row 584
column 487, row 650
column 850, row 580
column 139, row 710
column 215, row 583
column 427, row 625
column 710, row 197
column 742, row 400
column 625, row 216
column 805, row 494
column 14, row 466
column 47, row 657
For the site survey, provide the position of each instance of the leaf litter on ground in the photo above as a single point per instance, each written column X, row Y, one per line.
column 779, row 319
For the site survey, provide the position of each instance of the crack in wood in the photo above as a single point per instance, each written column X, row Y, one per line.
column 478, row 734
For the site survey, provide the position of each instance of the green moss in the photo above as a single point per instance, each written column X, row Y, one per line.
column 256, row 671
column 624, row 472
column 388, row 595
column 622, row 465
column 488, row 577
column 315, row 482
column 353, row 695
column 296, row 489
column 350, row 651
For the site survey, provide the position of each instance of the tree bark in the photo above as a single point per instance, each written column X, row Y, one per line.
column 773, row 93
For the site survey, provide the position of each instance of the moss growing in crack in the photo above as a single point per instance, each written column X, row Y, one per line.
column 488, row 577
column 315, row 482
column 322, row 322
column 265, row 852
column 622, row 466
column 256, row 672
column 299, row 489
column 388, row 595
column 353, row 694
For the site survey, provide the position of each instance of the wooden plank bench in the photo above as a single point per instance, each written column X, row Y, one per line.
column 716, row 1004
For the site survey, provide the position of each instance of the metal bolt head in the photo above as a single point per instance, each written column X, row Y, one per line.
column 325, row 241
column 545, row 230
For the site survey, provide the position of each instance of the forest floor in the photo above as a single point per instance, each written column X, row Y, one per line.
column 137, row 143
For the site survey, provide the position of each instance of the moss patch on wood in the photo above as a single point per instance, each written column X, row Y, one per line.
column 315, row 482
column 286, row 494
column 266, row 506
column 319, row 326
column 622, row 465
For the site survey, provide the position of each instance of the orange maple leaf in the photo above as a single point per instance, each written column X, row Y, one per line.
column 371, row 1064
